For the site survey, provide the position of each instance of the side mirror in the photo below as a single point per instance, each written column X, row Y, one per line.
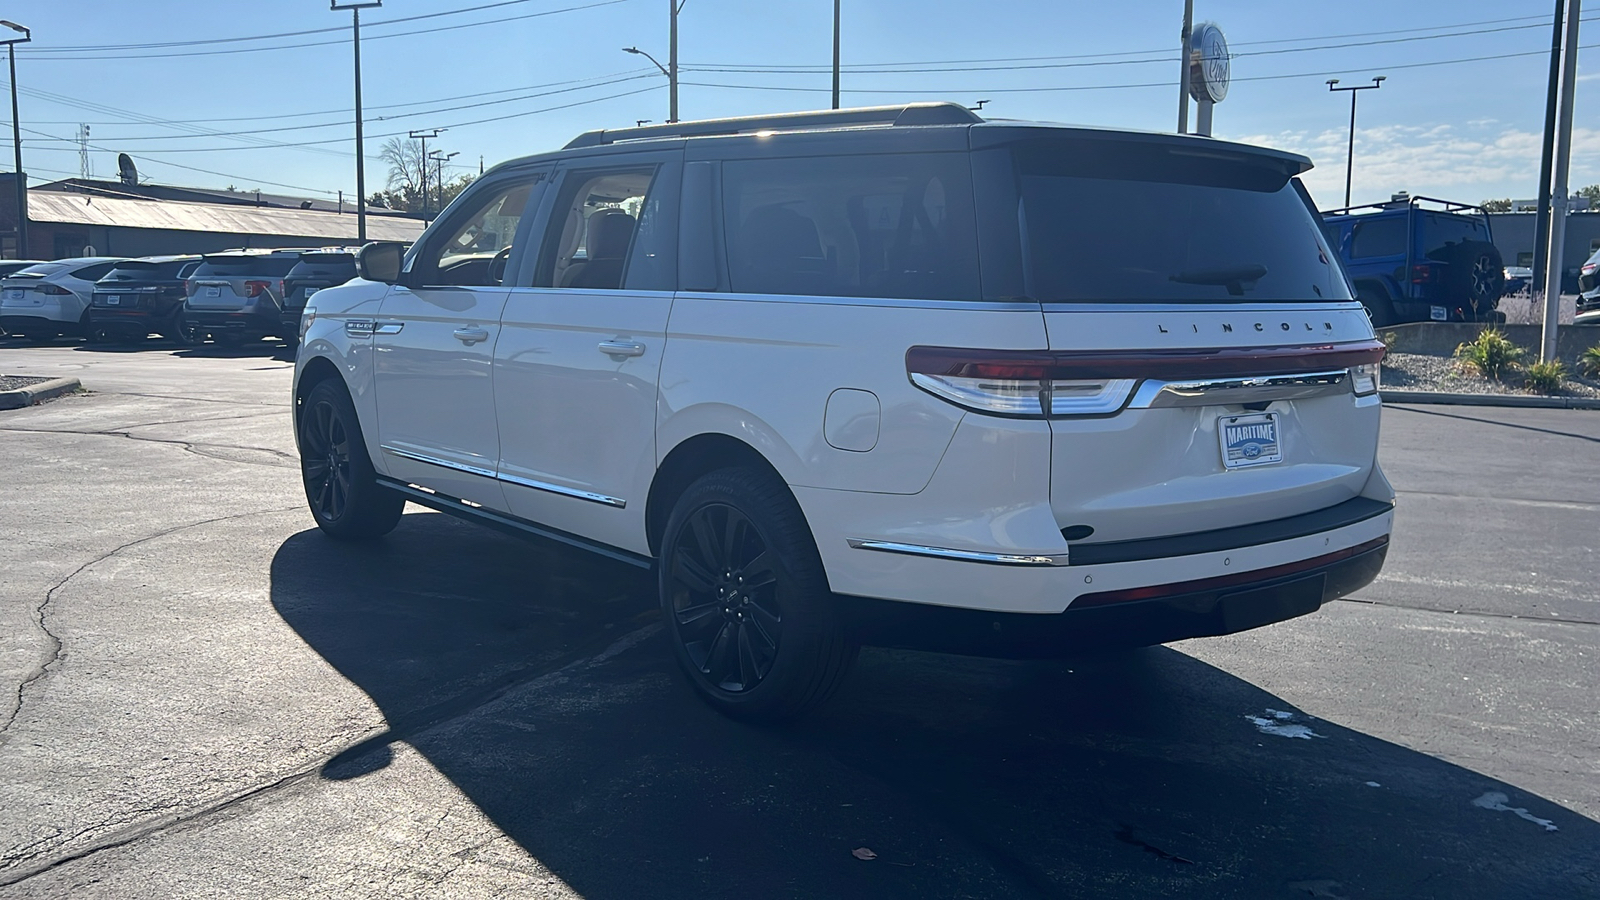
column 380, row 261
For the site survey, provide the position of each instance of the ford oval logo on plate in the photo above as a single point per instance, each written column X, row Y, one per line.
column 1250, row 440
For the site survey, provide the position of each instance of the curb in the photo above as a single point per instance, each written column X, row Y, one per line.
column 1517, row 400
column 37, row 393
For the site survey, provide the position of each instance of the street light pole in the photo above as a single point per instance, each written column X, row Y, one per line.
column 16, row 139
column 672, row 79
column 355, row 7
column 423, row 135
column 1350, row 154
column 439, row 159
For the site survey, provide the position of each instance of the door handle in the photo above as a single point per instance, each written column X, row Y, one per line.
column 470, row 336
column 621, row 348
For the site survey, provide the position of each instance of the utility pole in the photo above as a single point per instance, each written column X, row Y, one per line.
column 1350, row 154
column 16, row 139
column 1183, row 68
column 672, row 62
column 423, row 135
column 1558, row 185
column 355, row 7
column 836, row 54
column 439, row 159
column 1541, row 218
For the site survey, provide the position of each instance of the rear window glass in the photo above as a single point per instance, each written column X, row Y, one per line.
column 145, row 271
column 1141, row 224
column 896, row 226
column 94, row 272
column 237, row 266
column 1379, row 237
column 1441, row 232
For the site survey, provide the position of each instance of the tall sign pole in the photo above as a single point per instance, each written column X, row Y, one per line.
column 1350, row 152
column 1183, row 67
column 1558, row 185
column 835, row 54
column 672, row 62
column 361, row 145
column 1209, row 73
column 1541, row 218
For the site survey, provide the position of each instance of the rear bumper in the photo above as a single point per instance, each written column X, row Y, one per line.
column 1116, row 620
column 256, row 321
column 20, row 324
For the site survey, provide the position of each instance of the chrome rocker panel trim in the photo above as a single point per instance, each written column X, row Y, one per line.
column 999, row 559
column 604, row 500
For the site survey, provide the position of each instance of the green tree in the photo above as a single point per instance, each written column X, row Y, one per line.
column 1591, row 193
column 1497, row 206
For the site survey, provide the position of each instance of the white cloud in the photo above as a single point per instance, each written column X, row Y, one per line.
column 1467, row 162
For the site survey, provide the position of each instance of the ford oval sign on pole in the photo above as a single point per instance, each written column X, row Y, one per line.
column 1209, row 71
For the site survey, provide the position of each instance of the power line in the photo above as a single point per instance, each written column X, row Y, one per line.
column 43, row 53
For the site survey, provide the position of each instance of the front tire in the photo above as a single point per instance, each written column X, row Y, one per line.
column 746, row 600
column 341, row 485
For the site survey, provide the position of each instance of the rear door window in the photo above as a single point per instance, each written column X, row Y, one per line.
column 893, row 226
column 1442, row 233
column 1379, row 237
column 1140, row 224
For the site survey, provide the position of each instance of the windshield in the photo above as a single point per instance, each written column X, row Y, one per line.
column 1151, row 226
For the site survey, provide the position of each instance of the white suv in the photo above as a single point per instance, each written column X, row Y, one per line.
column 890, row 376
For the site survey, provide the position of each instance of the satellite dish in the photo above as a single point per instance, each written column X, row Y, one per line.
column 128, row 173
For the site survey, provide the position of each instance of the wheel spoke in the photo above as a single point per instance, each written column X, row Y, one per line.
column 315, row 468
column 698, row 618
column 749, row 670
column 766, row 625
column 706, row 540
column 734, row 529
column 758, row 572
column 693, row 575
column 720, row 658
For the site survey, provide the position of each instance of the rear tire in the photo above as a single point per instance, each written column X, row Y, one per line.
column 746, row 600
column 341, row 485
column 182, row 333
column 1476, row 274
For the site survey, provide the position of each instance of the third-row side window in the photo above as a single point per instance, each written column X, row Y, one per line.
column 895, row 226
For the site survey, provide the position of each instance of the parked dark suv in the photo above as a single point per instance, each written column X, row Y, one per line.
column 1416, row 258
column 237, row 296
column 141, row 296
column 317, row 269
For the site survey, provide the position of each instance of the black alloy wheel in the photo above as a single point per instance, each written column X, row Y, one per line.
column 180, row 332
column 340, row 484
column 725, row 598
column 746, row 600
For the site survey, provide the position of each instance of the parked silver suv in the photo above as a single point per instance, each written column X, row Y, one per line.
column 237, row 296
column 893, row 375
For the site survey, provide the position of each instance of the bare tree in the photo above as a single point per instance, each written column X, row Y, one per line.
column 405, row 172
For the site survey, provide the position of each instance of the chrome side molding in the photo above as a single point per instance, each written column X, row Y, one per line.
column 1155, row 394
column 604, row 500
column 999, row 559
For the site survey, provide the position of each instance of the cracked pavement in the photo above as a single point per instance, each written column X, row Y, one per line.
column 200, row 696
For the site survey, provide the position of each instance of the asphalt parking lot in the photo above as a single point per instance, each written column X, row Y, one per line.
column 201, row 696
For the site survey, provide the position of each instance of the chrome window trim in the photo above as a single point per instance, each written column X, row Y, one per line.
column 1156, row 394
column 1001, row 559
column 884, row 302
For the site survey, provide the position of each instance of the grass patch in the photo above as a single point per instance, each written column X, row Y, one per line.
column 1491, row 354
column 1589, row 362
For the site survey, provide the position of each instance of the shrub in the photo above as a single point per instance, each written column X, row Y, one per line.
column 1545, row 377
column 1491, row 354
column 1589, row 361
column 1390, row 338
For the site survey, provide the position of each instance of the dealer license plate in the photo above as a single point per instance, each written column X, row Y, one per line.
column 1438, row 313
column 16, row 294
column 113, row 300
column 1253, row 440
column 213, row 292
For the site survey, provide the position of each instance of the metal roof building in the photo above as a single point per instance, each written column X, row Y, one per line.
column 64, row 223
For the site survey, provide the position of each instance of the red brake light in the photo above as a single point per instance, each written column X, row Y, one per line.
column 1421, row 274
column 255, row 288
column 54, row 289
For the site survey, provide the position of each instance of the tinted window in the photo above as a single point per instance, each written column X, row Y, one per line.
column 1441, row 233
column 603, row 224
column 94, row 272
column 852, row 226
column 134, row 270
column 1379, row 237
column 1141, row 224
column 474, row 242
column 240, row 266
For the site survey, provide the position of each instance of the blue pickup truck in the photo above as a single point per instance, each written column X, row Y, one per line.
column 1415, row 259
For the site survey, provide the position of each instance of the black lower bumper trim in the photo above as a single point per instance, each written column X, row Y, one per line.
column 1133, row 623
column 1356, row 509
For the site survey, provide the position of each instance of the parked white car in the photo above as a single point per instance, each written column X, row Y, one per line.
column 894, row 375
column 47, row 300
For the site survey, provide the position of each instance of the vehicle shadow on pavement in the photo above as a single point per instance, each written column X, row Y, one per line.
column 1145, row 774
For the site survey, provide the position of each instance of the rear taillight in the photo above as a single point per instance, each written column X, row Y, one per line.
column 55, row 290
column 189, row 288
column 1422, row 274
column 1366, row 378
column 1037, row 383
column 1010, row 384
column 255, row 288
column 280, row 288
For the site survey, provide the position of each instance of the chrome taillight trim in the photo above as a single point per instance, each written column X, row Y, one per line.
column 1155, row 394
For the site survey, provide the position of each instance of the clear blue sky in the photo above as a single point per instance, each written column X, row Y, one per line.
column 1465, row 130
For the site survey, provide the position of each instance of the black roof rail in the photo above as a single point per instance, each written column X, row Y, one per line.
column 902, row 114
